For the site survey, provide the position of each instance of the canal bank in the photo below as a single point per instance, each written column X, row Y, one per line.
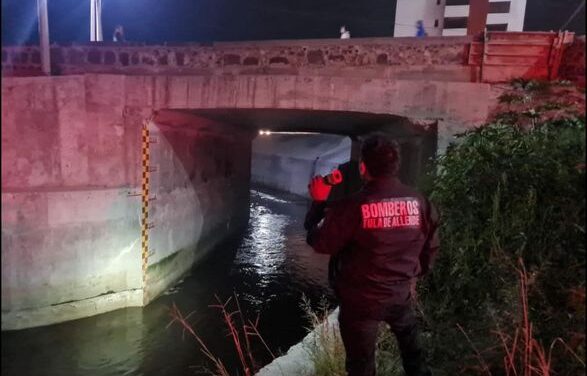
column 269, row 267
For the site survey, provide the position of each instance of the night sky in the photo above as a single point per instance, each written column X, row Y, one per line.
column 155, row 21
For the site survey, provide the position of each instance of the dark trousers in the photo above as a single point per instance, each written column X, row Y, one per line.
column 359, row 321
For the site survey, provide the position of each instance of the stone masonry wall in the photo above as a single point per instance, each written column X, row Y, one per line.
column 368, row 56
column 431, row 58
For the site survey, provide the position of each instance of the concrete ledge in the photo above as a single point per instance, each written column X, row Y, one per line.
column 297, row 360
column 54, row 314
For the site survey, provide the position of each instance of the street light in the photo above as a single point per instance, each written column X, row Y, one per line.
column 96, row 21
column 43, row 14
column 44, row 36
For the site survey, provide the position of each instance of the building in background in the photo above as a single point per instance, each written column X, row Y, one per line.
column 453, row 17
column 409, row 12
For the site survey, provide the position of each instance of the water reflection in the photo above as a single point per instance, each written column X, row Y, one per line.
column 269, row 266
column 266, row 240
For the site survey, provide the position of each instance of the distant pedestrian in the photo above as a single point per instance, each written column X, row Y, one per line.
column 420, row 32
column 118, row 34
column 344, row 33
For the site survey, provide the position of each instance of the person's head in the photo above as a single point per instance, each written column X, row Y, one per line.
column 419, row 23
column 343, row 29
column 380, row 157
column 119, row 29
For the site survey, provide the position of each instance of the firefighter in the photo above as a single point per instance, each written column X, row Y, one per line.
column 383, row 238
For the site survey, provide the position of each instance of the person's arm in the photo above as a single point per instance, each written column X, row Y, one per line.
column 432, row 245
column 315, row 214
column 329, row 230
column 336, row 231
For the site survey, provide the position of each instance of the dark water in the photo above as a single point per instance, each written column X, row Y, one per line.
column 269, row 267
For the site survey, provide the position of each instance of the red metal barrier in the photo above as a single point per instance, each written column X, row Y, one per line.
column 503, row 56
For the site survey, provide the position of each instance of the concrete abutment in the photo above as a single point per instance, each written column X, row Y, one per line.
column 71, row 198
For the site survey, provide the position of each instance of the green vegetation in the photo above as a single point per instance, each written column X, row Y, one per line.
column 507, row 193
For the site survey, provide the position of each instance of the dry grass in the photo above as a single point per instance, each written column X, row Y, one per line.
column 240, row 331
column 327, row 350
column 521, row 352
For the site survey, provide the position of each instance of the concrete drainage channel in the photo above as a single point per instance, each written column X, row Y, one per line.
column 297, row 360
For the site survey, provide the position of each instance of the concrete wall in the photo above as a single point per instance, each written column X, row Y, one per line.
column 287, row 162
column 457, row 106
column 70, row 232
column 201, row 192
column 71, row 206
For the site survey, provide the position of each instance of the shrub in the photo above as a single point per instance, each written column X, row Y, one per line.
column 505, row 193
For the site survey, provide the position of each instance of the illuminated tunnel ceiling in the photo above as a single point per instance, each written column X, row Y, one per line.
column 295, row 120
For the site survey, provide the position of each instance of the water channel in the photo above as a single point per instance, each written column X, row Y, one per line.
column 269, row 267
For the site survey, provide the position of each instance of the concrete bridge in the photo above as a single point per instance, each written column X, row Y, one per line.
column 130, row 162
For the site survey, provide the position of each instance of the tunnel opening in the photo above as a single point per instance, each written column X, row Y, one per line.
column 306, row 142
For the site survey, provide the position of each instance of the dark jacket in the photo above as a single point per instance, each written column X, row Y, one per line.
column 384, row 235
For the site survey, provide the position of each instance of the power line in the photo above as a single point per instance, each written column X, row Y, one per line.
column 573, row 15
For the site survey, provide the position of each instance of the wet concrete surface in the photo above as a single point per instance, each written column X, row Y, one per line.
column 268, row 267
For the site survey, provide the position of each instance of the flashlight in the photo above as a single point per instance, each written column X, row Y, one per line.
column 334, row 178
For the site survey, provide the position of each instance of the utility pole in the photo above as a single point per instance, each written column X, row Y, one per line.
column 96, row 21
column 44, row 36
